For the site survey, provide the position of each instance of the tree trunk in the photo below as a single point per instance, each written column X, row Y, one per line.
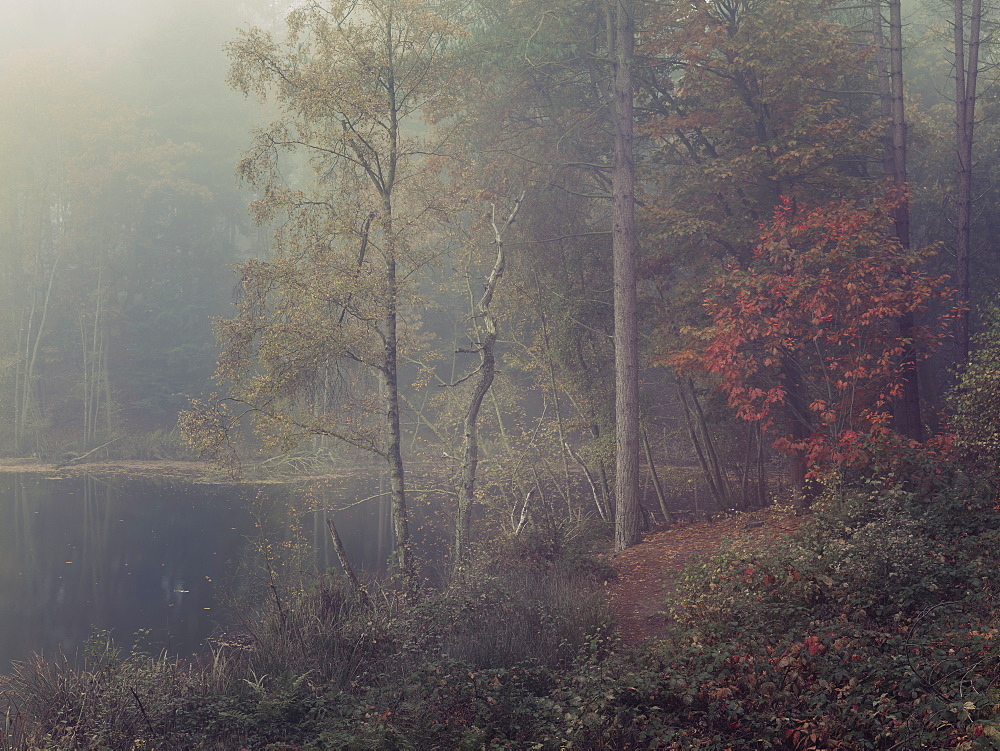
column 660, row 497
column 480, row 388
column 394, row 442
column 966, row 73
column 390, row 377
column 799, row 426
column 698, row 435
column 624, row 250
column 906, row 407
column 884, row 86
column 28, row 401
column 345, row 562
column 602, row 509
column 564, row 488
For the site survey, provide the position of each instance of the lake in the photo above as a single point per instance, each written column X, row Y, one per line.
column 165, row 558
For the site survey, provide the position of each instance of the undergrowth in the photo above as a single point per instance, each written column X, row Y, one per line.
column 322, row 666
column 874, row 627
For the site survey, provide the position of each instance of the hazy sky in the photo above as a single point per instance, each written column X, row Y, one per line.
column 77, row 29
column 46, row 23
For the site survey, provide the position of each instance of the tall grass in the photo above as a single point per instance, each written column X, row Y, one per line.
column 310, row 663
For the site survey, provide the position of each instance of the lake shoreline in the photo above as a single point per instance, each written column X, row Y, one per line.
column 188, row 470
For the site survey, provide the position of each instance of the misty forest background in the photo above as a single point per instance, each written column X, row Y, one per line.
column 124, row 231
column 434, row 273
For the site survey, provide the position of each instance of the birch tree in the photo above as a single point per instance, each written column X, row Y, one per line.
column 338, row 172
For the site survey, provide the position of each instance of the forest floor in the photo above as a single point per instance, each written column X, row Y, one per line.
column 647, row 571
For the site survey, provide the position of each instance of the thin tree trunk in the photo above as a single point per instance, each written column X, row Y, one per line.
column 898, row 123
column 86, row 377
column 96, row 362
column 966, row 73
column 481, row 387
column 394, row 453
column 16, row 401
column 906, row 409
column 554, row 387
column 621, row 43
column 884, row 86
column 602, row 470
column 601, row 508
column 394, row 445
column 701, row 440
column 29, row 375
column 751, row 483
column 721, row 479
column 761, row 468
column 345, row 562
column 799, row 426
column 667, row 517
column 106, row 383
column 78, row 459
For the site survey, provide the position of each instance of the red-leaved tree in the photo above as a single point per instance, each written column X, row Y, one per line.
column 806, row 339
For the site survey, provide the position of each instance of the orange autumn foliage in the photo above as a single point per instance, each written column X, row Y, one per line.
column 809, row 330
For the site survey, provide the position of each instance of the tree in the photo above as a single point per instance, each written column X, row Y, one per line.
column 739, row 104
column 80, row 167
column 966, row 92
column 482, row 380
column 906, row 410
column 536, row 110
column 350, row 79
column 808, row 331
column 625, row 252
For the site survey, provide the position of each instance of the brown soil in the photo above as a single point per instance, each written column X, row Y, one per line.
column 646, row 572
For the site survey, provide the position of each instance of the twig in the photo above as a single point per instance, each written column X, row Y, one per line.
column 80, row 458
column 345, row 562
column 590, row 481
column 143, row 710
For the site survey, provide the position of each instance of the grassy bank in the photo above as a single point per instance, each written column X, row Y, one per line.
column 321, row 666
column 875, row 627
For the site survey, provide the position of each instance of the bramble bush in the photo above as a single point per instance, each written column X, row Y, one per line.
column 975, row 401
column 874, row 628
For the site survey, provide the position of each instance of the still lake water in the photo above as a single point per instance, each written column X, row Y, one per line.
column 161, row 557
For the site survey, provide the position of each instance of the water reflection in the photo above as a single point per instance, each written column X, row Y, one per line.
column 128, row 555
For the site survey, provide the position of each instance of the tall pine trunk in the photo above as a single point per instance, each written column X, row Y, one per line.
column 966, row 74
column 906, row 406
column 624, row 249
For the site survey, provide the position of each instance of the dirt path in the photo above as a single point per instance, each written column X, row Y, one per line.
column 647, row 571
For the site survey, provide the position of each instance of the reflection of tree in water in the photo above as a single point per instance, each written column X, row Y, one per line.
column 125, row 555
column 89, row 553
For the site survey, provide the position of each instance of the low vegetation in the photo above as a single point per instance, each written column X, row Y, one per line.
column 874, row 627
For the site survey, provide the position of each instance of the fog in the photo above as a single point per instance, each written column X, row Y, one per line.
column 121, row 217
column 80, row 23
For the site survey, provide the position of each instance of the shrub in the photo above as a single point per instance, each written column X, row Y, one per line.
column 463, row 667
column 975, row 401
column 875, row 627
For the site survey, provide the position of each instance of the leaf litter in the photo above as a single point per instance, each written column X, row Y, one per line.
column 647, row 571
